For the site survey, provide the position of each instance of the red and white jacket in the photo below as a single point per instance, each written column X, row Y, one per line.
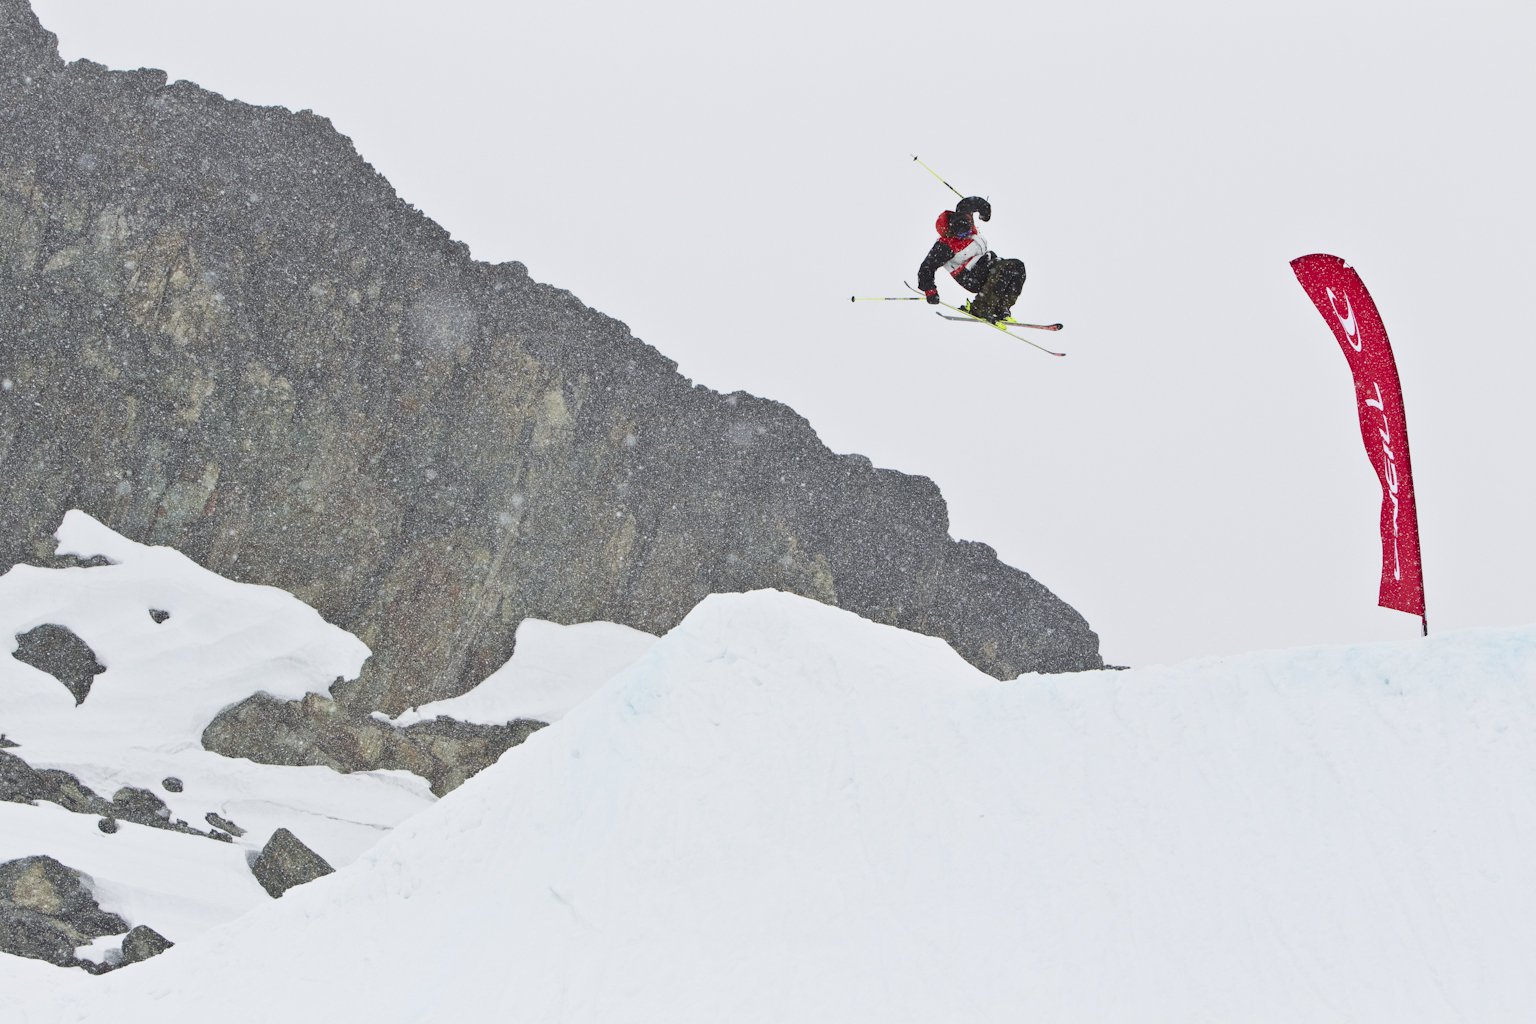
column 965, row 257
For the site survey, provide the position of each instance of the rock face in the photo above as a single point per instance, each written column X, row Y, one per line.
column 223, row 331
column 285, row 862
column 47, row 911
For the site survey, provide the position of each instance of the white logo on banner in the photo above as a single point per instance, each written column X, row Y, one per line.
column 1389, row 474
column 1346, row 320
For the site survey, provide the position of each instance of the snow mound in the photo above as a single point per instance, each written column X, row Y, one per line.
column 782, row 812
column 552, row 669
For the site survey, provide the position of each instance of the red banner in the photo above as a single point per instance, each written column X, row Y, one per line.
column 1340, row 296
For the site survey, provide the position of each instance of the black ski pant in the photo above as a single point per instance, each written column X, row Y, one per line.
column 997, row 296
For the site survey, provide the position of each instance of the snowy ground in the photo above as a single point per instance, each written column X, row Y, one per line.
column 782, row 812
column 219, row 642
column 213, row 643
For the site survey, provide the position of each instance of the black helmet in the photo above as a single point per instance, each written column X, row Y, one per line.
column 958, row 224
column 975, row 204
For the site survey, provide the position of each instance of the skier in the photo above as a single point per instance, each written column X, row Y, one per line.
column 962, row 252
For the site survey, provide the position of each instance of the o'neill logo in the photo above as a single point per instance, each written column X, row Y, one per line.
column 1347, row 320
column 1351, row 325
column 1388, row 473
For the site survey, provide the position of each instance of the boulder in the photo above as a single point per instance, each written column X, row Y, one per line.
column 72, row 794
column 57, row 651
column 286, row 862
column 19, row 783
column 47, row 911
column 320, row 731
column 142, row 943
column 223, row 824
column 141, row 806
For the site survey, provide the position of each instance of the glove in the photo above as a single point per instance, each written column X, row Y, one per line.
column 932, row 295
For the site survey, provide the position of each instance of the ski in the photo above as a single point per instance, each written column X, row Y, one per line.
column 999, row 327
column 1001, row 323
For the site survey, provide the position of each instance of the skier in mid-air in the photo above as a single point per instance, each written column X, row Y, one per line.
column 961, row 251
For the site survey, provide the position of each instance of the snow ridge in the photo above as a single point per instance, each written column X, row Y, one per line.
column 784, row 812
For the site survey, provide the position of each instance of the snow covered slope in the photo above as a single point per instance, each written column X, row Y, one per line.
column 782, row 812
column 209, row 643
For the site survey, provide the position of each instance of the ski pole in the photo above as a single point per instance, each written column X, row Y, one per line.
column 885, row 298
column 935, row 173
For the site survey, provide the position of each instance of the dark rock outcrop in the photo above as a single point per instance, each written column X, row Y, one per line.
column 57, row 651
column 21, row 783
column 286, row 862
column 47, row 911
column 224, row 332
column 72, row 794
column 140, row 806
column 223, row 824
column 140, row 944
column 320, row 731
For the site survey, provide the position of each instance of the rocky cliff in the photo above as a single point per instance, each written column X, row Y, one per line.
column 223, row 331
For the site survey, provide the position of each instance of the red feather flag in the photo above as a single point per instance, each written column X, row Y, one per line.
column 1346, row 306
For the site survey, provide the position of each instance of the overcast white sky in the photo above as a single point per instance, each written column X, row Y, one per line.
column 723, row 178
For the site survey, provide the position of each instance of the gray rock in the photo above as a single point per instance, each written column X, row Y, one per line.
column 142, row 943
column 172, row 785
column 225, row 332
column 319, row 731
column 28, row 934
column 6, row 742
column 158, row 615
column 19, row 783
column 72, row 794
column 141, row 807
column 286, row 862
column 47, row 911
column 220, row 822
column 59, row 652
column 461, row 750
